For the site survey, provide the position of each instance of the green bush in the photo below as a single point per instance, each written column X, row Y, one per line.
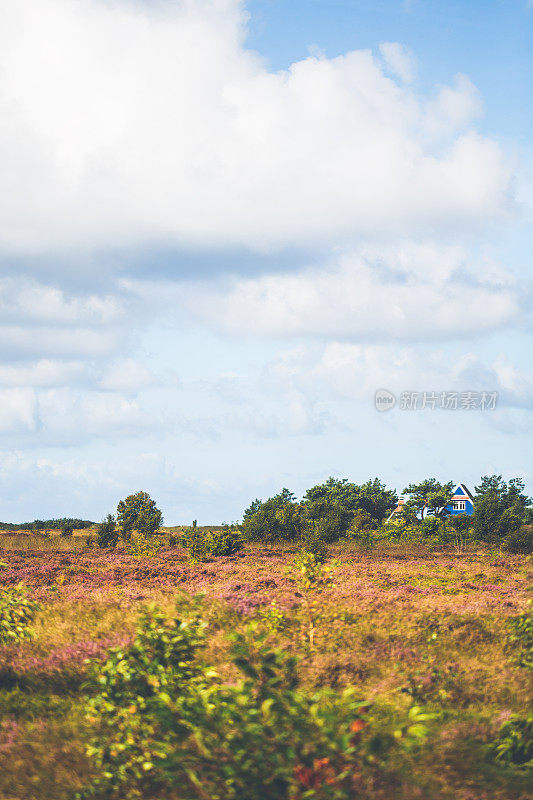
column 430, row 526
column 141, row 546
column 279, row 518
column 67, row 528
column 163, row 723
column 225, row 542
column 107, row 533
column 520, row 541
column 313, row 542
column 514, row 744
column 201, row 545
column 17, row 612
column 522, row 637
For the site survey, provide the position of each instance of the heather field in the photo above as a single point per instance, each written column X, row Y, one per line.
column 403, row 625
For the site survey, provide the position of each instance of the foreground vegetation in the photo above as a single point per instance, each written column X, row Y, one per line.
column 241, row 692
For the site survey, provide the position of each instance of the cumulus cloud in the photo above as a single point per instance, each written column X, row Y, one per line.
column 129, row 122
column 127, row 375
column 344, row 371
column 18, row 411
column 42, row 373
column 398, row 60
column 410, row 291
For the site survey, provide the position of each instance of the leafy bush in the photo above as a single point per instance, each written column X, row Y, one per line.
column 514, row 744
column 277, row 519
column 17, row 612
column 272, row 617
column 329, row 520
column 522, row 637
column 520, row 541
column 107, row 533
column 67, row 528
column 164, row 723
column 201, row 545
column 312, row 573
column 225, row 542
column 141, row 546
column 313, row 542
column 430, row 526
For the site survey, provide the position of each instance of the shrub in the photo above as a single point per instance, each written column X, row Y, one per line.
column 514, row 744
column 430, row 526
column 224, row 542
column 17, row 612
column 312, row 573
column 277, row 519
column 522, row 637
column 164, row 723
column 520, row 541
column 67, row 528
column 314, row 543
column 329, row 520
column 195, row 541
column 107, row 533
column 141, row 546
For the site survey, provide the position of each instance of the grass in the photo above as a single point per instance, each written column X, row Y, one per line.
column 402, row 624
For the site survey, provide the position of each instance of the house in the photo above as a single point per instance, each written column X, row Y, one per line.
column 462, row 501
column 397, row 510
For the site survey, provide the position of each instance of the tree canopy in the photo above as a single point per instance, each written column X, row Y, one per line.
column 138, row 512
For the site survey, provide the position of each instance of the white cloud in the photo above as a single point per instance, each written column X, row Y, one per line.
column 18, row 411
column 453, row 108
column 23, row 299
column 41, row 321
column 42, row 373
column 399, row 60
column 343, row 371
column 127, row 375
column 405, row 292
column 125, row 122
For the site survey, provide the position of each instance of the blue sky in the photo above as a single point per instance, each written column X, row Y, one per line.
column 225, row 225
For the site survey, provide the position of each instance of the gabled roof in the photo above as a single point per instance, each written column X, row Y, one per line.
column 462, row 491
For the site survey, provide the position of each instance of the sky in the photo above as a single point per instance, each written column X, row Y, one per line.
column 224, row 226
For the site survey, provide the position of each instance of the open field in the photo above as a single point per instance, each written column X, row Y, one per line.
column 401, row 624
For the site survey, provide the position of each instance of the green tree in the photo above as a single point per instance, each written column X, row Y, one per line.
column 107, row 533
column 138, row 512
column 429, row 497
column 347, row 498
column 500, row 508
column 252, row 509
column 276, row 519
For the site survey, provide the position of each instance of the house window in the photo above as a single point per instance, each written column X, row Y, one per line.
column 459, row 505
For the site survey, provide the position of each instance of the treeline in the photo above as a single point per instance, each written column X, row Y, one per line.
column 327, row 510
column 337, row 508
column 47, row 524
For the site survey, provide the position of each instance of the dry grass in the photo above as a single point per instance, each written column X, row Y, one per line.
column 403, row 625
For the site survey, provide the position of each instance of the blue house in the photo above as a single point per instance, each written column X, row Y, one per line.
column 462, row 501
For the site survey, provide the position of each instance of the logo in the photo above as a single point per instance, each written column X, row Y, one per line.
column 384, row 400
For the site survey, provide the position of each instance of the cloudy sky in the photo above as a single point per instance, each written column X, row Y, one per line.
column 224, row 225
